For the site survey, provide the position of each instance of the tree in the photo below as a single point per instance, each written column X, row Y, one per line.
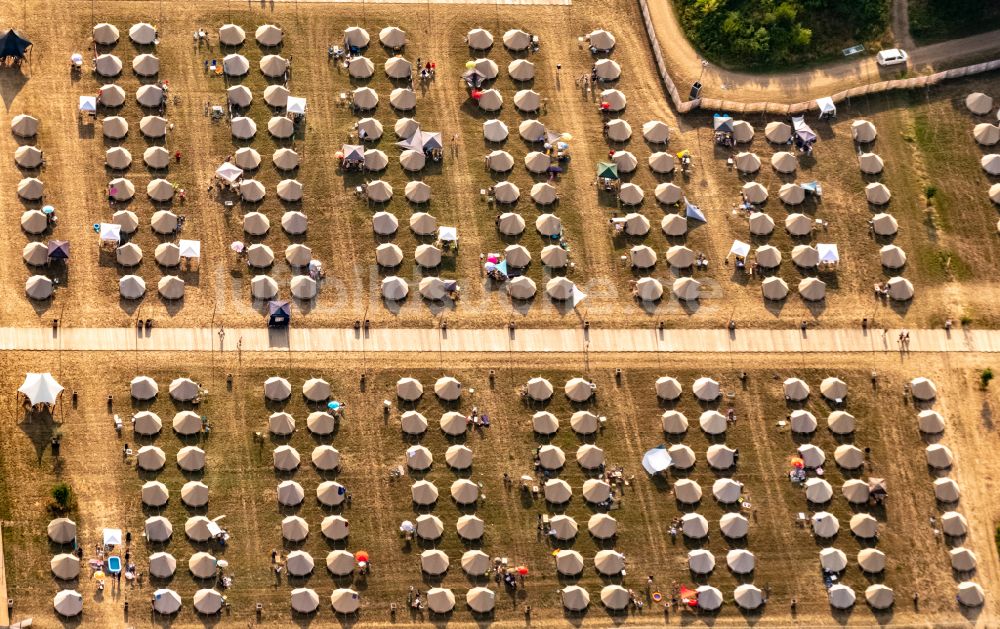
column 62, row 496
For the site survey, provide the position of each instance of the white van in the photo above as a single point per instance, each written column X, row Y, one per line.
column 891, row 57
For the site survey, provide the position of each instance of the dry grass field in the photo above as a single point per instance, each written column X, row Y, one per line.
column 242, row 484
column 924, row 137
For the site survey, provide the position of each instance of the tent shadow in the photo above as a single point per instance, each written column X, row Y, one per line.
column 12, row 81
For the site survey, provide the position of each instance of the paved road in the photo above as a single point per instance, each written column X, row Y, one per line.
column 493, row 340
column 684, row 64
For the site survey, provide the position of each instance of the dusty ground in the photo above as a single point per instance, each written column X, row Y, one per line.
column 925, row 140
column 242, row 482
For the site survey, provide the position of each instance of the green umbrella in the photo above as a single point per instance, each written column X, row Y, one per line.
column 606, row 170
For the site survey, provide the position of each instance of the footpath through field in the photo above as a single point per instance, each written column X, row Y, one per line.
column 390, row 340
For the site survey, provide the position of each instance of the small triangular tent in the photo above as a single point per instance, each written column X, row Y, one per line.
column 13, row 44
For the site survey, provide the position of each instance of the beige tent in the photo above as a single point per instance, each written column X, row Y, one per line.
column 962, row 559
column 864, row 526
column 490, row 100
column 879, row 596
column 792, row 193
column 335, row 527
column 187, row 423
column 280, row 127
column 877, row 193
column 510, row 224
column 475, row 562
column 535, row 161
column 35, row 253
column 160, row 190
column 930, row 422
column 568, row 562
column 231, row 35
column 146, row 65
column 832, row 559
column 197, row 528
column 768, row 257
column 747, row 162
column 544, row 193
column 142, row 33
column 761, row 224
column 203, row 565
column 495, row 130
column 440, row 600
column 208, row 602
column 706, row 389
column 235, row 65
column 255, row 223
column 615, row 101
column 870, row 163
column 379, row 191
column 979, row 103
column 748, row 596
column 544, row 423
column 392, row 37
column 584, row 422
column 712, row 422
column 283, row 158
column 114, row 127
column 668, row 388
column 642, row 257
column 158, row 529
column 521, row 70
column 297, row 254
column 285, row 458
column 427, row 256
column 243, row 128
column 263, row 287
column 596, row 491
column 358, row 67
column 609, row 562
column 531, row 130
column 62, row 530
column 849, row 457
column 563, row 526
column 686, row 288
column 784, row 162
column 802, row 421
column 268, row 35
column 388, row 255
column 464, row 491
column 812, row 456
column 939, row 456
column 522, row 288
column 892, row 257
column 841, row 423
column 170, row 287
column 579, row 390
column 871, row 560
column 424, row 492
column 480, row 600
column 111, row 95
column 30, row 189
column 432, row 288
column 655, row 132
column 516, row 39
column 277, row 96
column 458, row 457
column 884, row 224
column 405, row 128
column 687, row 491
column 420, row 192
column 162, row 565
column 923, row 389
column 364, row 98
column 277, row 388
column 107, row 65
column 479, row 39
column 589, row 456
column 129, row 222
column 662, row 162
column 990, row 163
column 741, row 561
column 625, row 160
column 448, row 388
column 121, row 189
column 24, row 126
column 720, row 456
column 105, row 34
column 602, row 526
column 281, row 423
column 131, row 287
column 795, row 389
column 330, row 493
column 116, row 158
column 557, row 491
column 615, row 597
column 429, row 527
column 618, row 130
column 487, row 68
column 260, row 256
column 694, row 525
column 356, row 36
column 841, row 596
column 554, row 256
column 506, row 192
column 742, row 131
column 971, row 594
column 191, row 458
column 560, row 288
column 818, row 491
column 824, row 524
column 527, row 100
column 384, row 223
column 294, row 528
column 30, row 157
column 548, row 224
column 68, row 603
column 303, row 600
column 412, row 160
column 863, row 131
column 574, row 598
column 156, row 157
column 403, row 98
column 754, row 192
column 454, row 423
column 986, row 134
column 194, row 494
column 394, row 288
column 635, row 224
column 805, row 256
column 303, row 287
column 900, row 289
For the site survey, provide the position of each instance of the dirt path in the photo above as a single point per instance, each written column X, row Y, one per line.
column 901, row 24
column 685, row 64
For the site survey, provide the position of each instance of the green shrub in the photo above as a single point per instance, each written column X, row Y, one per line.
column 62, row 496
column 984, row 377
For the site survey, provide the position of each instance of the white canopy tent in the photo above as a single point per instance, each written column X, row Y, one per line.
column 40, row 388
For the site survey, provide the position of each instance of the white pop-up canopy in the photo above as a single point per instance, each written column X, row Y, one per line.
column 826, row 106
column 41, row 388
column 111, row 231
column 228, row 172
column 828, row 252
column 112, row 537
column 295, row 105
column 190, row 248
column 88, row 103
column 446, row 234
column 740, row 248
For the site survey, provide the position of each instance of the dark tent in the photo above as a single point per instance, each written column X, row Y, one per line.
column 13, row 45
column 58, row 250
column 279, row 314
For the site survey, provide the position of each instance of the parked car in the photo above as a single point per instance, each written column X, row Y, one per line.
column 891, row 57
